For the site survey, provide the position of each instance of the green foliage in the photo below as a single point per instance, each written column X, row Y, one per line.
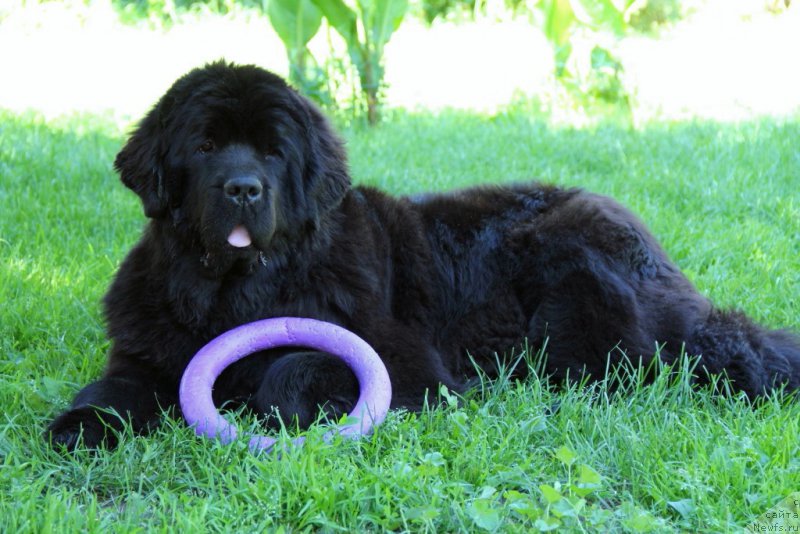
column 167, row 12
column 651, row 15
column 596, row 85
column 430, row 10
column 557, row 27
column 610, row 15
column 366, row 29
column 296, row 22
column 509, row 456
column 365, row 25
column 561, row 21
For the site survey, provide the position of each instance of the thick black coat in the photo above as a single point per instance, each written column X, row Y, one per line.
column 430, row 282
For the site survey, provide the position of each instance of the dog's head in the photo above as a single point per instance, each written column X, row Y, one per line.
column 235, row 160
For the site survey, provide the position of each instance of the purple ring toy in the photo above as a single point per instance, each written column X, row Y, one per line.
column 198, row 378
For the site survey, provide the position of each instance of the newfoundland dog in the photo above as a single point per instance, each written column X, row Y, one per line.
column 252, row 215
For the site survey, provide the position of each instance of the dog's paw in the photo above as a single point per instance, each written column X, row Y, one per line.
column 78, row 427
column 300, row 388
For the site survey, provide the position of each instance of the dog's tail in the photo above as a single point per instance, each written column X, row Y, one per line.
column 756, row 360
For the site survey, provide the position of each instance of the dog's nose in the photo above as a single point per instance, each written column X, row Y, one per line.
column 243, row 189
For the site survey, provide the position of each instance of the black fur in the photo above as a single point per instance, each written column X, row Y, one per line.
column 428, row 281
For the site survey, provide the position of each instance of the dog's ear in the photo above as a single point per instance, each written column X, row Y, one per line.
column 326, row 175
column 139, row 165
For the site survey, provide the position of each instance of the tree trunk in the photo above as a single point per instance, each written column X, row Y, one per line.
column 370, row 84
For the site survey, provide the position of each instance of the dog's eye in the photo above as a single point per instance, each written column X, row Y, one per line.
column 206, row 147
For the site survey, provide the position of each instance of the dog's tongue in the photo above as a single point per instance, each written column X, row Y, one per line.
column 239, row 237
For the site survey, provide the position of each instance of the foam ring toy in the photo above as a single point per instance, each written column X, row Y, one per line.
column 204, row 368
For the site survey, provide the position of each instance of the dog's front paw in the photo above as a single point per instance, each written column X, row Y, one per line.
column 300, row 387
column 79, row 426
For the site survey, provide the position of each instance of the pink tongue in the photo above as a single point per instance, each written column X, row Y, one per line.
column 239, row 237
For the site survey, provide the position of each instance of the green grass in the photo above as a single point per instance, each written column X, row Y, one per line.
column 723, row 199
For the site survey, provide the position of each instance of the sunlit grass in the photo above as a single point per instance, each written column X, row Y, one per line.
column 510, row 457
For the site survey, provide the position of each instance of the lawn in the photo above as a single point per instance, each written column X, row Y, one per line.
column 510, row 456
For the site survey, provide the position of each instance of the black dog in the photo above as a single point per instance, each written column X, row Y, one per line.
column 252, row 216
